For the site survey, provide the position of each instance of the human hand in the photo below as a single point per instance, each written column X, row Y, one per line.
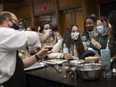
column 49, row 33
column 43, row 52
column 95, row 43
column 68, row 56
column 56, row 33
column 44, row 37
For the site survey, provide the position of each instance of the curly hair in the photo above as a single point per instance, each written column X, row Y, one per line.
column 69, row 41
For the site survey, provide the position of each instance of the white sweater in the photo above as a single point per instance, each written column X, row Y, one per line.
column 55, row 51
column 58, row 46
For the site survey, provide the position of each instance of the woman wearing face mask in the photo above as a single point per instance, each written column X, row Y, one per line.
column 70, row 47
column 101, row 34
column 46, row 28
column 89, row 26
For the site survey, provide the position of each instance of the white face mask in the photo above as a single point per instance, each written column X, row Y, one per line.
column 46, row 31
column 75, row 36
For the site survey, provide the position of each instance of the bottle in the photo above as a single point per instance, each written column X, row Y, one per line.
column 105, row 61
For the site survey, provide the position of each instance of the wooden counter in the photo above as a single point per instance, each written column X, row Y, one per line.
column 49, row 77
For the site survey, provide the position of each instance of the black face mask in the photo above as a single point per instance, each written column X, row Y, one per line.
column 89, row 29
column 14, row 26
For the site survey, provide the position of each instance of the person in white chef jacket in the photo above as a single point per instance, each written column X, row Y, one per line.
column 12, row 40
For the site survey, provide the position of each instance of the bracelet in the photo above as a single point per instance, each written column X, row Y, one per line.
column 37, row 58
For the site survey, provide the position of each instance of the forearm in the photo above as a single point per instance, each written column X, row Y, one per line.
column 29, row 61
column 32, row 59
column 43, row 37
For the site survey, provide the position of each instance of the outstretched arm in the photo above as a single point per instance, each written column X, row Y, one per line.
column 32, row 59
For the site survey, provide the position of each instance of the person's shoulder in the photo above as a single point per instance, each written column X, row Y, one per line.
column 6, row 29
column 83, row 38
column 106, row 36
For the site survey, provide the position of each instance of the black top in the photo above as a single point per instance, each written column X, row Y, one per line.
column 102, row 40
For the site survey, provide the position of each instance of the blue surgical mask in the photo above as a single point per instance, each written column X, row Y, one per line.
column 100, row 29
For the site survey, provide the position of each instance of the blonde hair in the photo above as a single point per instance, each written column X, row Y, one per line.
column 105, row 24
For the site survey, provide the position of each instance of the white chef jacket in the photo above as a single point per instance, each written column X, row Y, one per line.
column 10, row 41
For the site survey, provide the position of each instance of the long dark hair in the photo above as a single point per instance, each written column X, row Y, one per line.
column 69, row 41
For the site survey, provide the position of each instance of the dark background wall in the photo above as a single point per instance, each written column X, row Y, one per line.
column 106, row 8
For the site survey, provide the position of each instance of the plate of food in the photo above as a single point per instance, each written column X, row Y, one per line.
column 92, row 59
column 54, row 61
